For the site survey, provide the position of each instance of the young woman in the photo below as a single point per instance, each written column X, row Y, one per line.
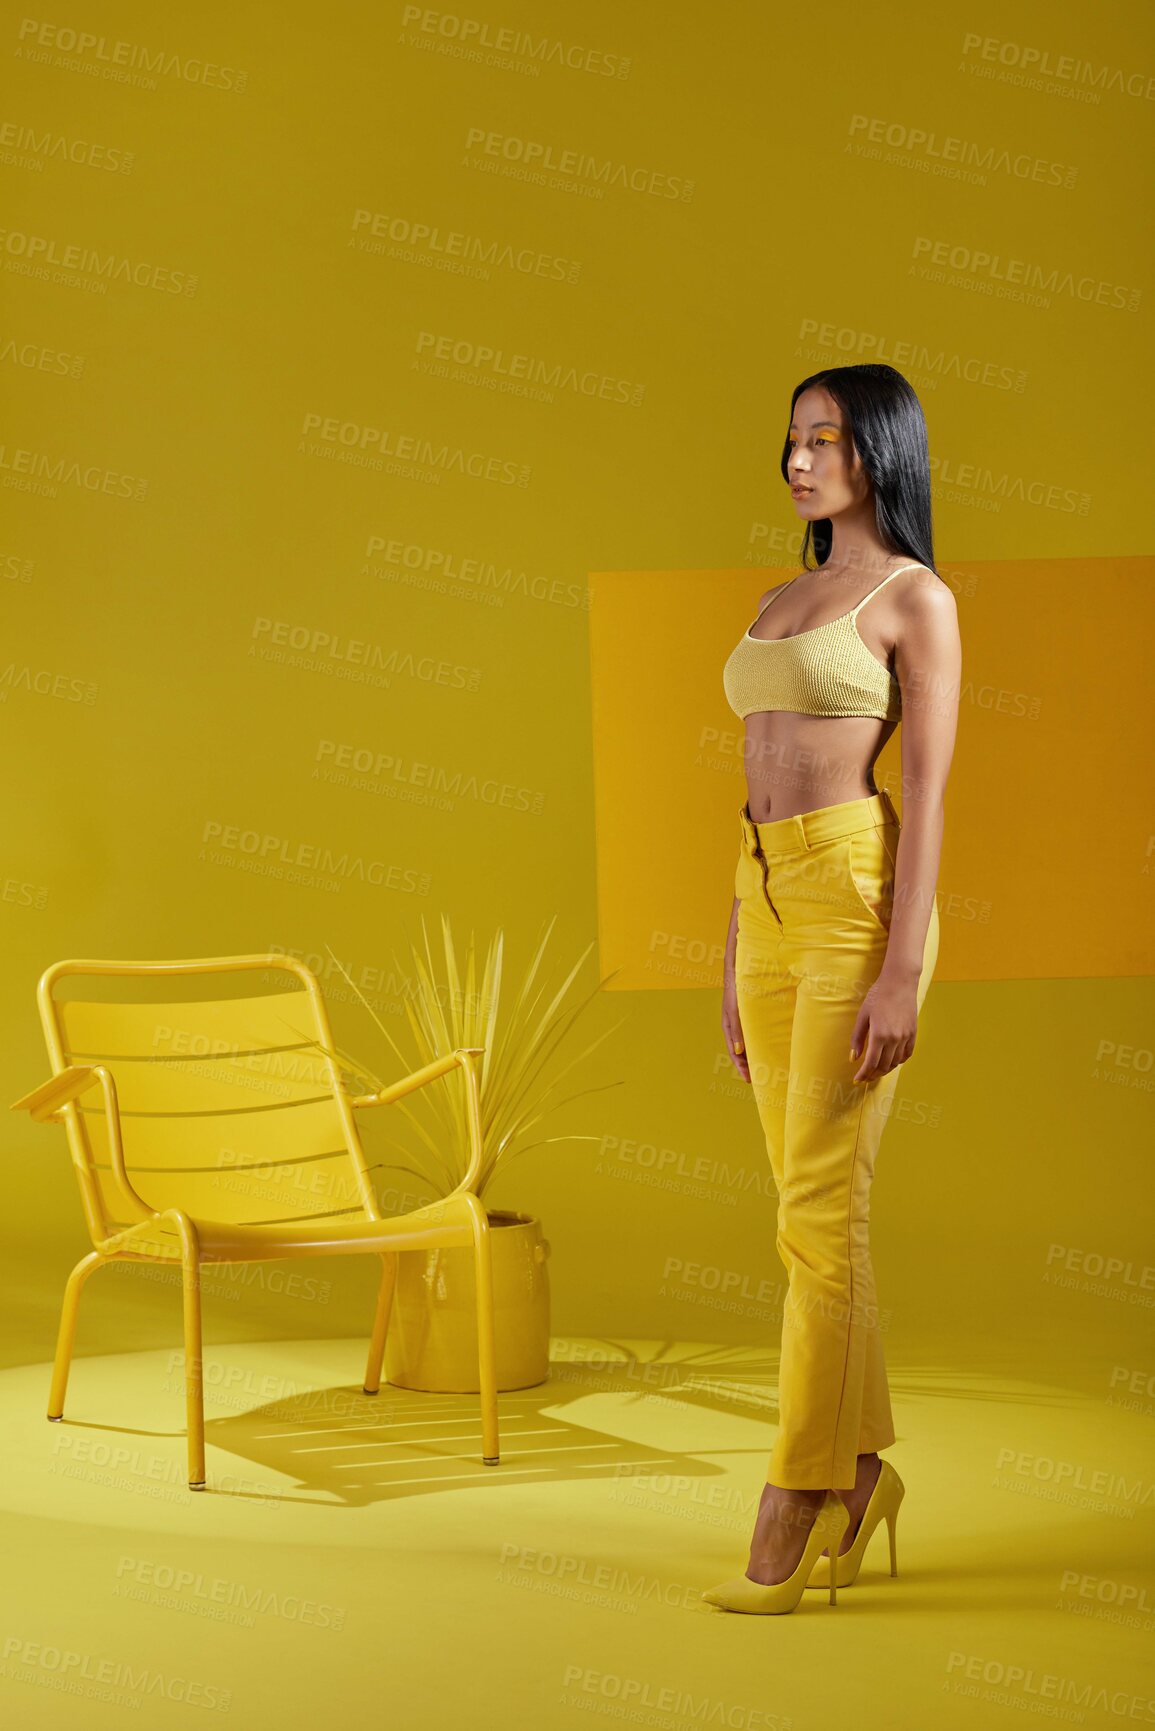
column 834, row 937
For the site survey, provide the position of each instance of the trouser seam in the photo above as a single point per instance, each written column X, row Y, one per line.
column 850, row 1277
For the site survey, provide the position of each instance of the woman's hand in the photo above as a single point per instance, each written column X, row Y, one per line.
column 886, row 1024
column 732, row 1028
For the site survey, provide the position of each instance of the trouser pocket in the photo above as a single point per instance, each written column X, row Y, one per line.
column 869, row 857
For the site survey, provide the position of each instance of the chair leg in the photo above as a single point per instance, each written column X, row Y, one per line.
column 67, row 1334
column 193, row 1368
column 486, row 1346
column 381, row 1322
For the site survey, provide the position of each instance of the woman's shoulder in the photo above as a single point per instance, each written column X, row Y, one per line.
column 924, row 589
column 926, row 611
column 777, row 589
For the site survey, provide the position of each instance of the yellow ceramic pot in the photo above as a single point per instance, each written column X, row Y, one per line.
column 432, row 1339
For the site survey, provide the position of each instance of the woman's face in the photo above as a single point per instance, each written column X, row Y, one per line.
column 826, row 473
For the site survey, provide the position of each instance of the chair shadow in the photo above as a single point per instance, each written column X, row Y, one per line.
column 360, row 1449
column 350, row 1449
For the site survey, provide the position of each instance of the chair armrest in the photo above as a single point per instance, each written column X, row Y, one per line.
column 427, row 1073
column 45, row 1102
column 465, row 1056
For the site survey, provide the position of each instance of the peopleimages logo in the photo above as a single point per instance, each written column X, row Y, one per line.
column 39, row 250
column 43, row 682
column 36, row 141
column 44, row 473
column 1037, row 66
column 191, row 1584
column 360, row 438
column 454, row 249
column 473, row 34
column 115, row 58
column 460, row 356
column 978, row 1675
column 536, row 156
column 75, row 1669
column 320, row 650
column 281, row 850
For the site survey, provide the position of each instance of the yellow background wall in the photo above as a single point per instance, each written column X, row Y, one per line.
column 374, row 397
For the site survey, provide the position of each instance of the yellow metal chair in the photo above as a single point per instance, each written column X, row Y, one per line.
column 217, row 1130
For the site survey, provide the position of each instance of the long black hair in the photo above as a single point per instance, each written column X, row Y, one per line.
column 889, row 432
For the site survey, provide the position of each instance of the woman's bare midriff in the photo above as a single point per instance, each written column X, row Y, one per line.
column 797, row 763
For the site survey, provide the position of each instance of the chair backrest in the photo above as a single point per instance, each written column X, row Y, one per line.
column 228, row 1108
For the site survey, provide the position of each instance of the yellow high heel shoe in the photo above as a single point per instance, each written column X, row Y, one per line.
column 742, row 1594
column 887, row 1494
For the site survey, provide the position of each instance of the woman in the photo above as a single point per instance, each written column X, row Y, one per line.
column 834, row 936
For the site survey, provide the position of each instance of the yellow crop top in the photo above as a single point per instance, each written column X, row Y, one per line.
column 827, row 670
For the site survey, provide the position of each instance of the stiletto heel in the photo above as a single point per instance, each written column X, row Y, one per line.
column 740, row 1593
column 885, row 1499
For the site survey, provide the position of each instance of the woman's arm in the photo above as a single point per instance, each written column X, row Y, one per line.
column 928, row 665
column 731, row 1021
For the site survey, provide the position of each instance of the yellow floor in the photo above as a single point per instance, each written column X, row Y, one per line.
column 355, row 1554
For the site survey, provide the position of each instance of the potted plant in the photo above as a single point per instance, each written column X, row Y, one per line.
column 432, row 1339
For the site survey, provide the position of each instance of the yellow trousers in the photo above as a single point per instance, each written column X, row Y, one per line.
column 816, row 897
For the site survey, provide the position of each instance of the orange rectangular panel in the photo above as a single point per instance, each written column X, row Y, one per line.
column 1048, row 867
